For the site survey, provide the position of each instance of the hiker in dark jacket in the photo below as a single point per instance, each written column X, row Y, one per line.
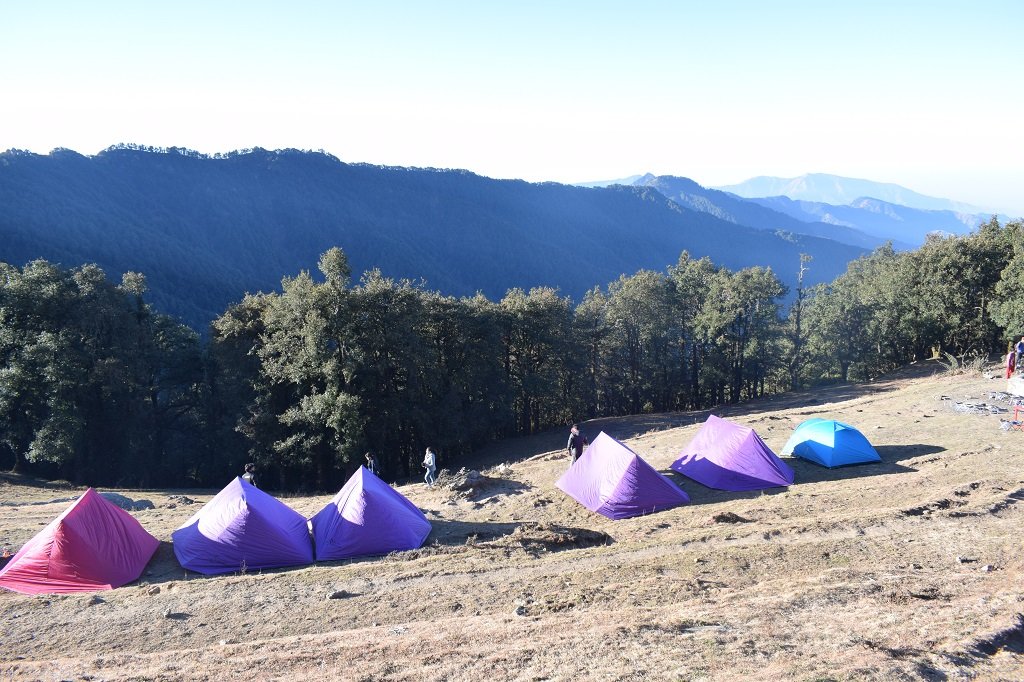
column 576, row 445
column 250, row 475
column 371, row 464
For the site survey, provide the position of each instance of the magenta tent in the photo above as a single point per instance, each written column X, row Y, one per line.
column 367, row 517
column 614, row 481
column 92, row 545
column 243, row 529
column 728, row 456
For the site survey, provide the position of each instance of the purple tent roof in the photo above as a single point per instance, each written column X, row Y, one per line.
column 728, row 456
column 243, row 528
column 612, row 480
column 365, row 518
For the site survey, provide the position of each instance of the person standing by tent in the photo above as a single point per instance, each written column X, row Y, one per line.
column 250, row 475
column 371, row 464
column 576, row 445
column 430, row 464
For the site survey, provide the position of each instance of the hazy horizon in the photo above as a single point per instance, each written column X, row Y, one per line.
column 919, row 96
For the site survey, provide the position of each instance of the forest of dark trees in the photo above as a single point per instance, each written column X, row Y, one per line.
column 98, row 388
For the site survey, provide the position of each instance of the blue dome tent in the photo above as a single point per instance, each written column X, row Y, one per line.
column 830, row 443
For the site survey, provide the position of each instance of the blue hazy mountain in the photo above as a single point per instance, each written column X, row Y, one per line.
column 205, row 230
column 837, row 190
column 878, row 218
column 608, row 183
column 733, row 209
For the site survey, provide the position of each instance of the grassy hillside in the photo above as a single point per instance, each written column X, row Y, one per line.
column 906, row 569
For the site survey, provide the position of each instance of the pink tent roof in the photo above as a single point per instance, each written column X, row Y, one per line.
column 728, row 456
column 614, row 481
column 92, row 545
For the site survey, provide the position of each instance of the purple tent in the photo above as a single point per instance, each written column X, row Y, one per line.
column 728, row 456
column 243, row 528
column 612, row 480
column 365, row 518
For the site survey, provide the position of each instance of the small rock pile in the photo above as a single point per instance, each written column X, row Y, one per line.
column 127, row 503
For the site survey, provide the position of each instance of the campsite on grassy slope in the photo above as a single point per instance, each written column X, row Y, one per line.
column 906, row 568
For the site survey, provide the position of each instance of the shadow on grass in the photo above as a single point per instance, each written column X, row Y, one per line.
column 445, row 532
column 34, row 482
column 1009, row 640
column 446, row 537
column 164, row 568
column 701, row 494
column 892, row 456
column 895, row 453
column 809, row 472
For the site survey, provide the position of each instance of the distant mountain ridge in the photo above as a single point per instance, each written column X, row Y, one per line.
column 838, row 190
column 205, row 230
column 878, row 218
column 631, row 180
column 731, row 208
column 863, row 221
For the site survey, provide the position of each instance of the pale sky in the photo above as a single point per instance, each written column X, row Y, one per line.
column 926, row 94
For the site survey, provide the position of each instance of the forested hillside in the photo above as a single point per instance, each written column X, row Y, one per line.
column 98, row 388
column 205, row 230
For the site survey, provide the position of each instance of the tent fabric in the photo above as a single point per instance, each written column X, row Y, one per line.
column 367, row 517
column 830, row 443
column 727, row 456
column 242, row 529
column 92, row 545
column 614, row 481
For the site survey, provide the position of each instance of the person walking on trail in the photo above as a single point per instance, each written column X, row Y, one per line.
column 430, row 464
column 371, row 464
column 576, row 445
column 250, row 475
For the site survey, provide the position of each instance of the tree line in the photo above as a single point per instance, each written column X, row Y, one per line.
column 98, row 388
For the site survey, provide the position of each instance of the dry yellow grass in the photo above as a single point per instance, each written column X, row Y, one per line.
column 904, row 570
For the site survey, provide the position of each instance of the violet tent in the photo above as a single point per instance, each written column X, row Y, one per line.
column 728, row 456
column 614, row 481
column 92, row 545
column 367, row 517
column 243, row 529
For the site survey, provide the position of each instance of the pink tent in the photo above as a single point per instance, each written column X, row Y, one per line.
column 93, row 545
